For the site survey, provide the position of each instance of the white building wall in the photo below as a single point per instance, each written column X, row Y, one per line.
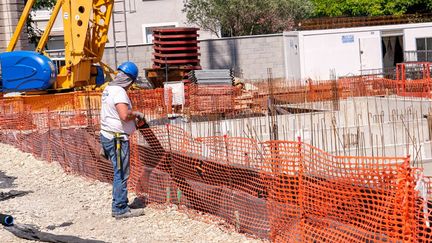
column 142, row 14
column 10, row 12
column 349, row 51
column 412, row 34
column 41, row 18
column 339, row 52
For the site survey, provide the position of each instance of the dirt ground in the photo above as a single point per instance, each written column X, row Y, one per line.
column 84, row 205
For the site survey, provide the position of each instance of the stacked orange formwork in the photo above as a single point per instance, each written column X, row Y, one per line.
column 176, row 47
column 176, row 52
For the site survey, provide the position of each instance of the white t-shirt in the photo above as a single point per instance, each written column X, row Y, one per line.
column 110, row 119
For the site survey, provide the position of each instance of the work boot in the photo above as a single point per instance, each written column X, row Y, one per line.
column 130, row 214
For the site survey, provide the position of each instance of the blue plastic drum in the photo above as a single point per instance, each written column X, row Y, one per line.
column 26, row 71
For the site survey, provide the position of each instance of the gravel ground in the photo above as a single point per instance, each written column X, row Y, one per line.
column 58, row 198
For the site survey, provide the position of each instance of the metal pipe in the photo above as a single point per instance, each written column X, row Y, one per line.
column 114, row 40
column 126, row 30
column 6, row 220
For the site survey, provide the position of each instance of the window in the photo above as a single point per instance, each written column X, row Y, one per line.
column 424, row 49
column 148, row 30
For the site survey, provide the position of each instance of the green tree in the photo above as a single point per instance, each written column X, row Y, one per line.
column 246, row 17
column 32, row 32
column 332, row 8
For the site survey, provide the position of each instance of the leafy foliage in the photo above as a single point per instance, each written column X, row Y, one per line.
column 332, row 8
column 246, row 17
column 42, row 4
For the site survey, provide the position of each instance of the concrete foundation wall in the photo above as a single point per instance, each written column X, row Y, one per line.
column 364, row 126
column 249, row 57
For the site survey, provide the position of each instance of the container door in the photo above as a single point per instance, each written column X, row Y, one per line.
column 370, row 53
column 292, row 59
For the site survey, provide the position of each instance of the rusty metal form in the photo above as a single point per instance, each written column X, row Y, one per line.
column 176, row 53
column 176, row 47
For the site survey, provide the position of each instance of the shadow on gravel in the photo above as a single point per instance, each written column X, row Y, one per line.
column 30, row 232
column 12, row 193
column 6, row 181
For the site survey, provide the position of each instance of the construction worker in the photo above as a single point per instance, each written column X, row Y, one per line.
column 118, row 122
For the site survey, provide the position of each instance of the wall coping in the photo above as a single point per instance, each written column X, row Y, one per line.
column 208, row 40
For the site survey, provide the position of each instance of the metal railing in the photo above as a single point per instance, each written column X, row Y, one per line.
column 418, row 56
column 387, row 72
column 58, row 58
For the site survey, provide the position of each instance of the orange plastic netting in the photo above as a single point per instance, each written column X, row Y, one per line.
column 287, row 191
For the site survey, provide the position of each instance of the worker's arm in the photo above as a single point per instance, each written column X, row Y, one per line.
column 127, row 115
column 124, row 113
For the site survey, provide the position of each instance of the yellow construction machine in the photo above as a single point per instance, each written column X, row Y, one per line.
column 86, row 24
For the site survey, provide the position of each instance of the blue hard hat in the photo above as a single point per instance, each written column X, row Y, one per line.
column 130, row 69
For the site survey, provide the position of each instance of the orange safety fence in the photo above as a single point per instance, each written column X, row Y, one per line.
column 282, row 190
column 61, row 101
column 82, row 100
column 208, row 99
column 287, row 191
column 150, row 101
column 282, row 92
column 316, row 196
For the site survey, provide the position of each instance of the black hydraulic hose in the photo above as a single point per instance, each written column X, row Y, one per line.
column 6, row 220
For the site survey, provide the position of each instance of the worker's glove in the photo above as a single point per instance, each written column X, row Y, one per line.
column 138, row 115
column 140, row 120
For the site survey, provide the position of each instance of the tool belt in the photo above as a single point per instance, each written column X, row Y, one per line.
column 118, row 138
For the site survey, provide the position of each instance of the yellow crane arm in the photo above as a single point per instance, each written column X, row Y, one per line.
column 102, row 10
column 86, row 25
